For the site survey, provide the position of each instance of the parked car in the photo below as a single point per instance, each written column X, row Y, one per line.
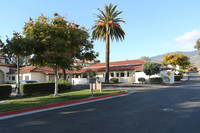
column 25, row 82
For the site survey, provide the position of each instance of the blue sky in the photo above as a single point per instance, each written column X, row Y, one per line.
column 152, row 26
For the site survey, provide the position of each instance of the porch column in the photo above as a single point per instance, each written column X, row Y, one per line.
column 104, row 74
column 115, row 74
column 125, row 73
column 47, row 78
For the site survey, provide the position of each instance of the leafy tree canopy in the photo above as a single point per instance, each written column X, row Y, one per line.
column 108, row 23
column 197, row 46
column 90, row 73
column 15, row 46
column 176, row 59
column 55, row 41
column 145, row 58
column 151, row 68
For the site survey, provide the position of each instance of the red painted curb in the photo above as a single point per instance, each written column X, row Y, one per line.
column 58, row 104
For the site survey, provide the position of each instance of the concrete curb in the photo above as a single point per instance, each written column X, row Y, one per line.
column 20, row 112
column 110, row 85
column 172, row 84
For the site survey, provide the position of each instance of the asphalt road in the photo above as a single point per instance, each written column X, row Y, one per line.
column 174, row 109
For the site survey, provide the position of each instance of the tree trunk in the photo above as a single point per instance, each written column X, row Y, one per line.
column 56, row 80
column 64, row 74
column 107, row 58
column 18, row 79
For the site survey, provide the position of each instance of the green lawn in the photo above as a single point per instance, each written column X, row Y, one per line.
column 22, row 103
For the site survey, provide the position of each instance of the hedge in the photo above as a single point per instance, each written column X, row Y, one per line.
column 114, row 80
column 43, row 88
column 141, row 80
column 5, row 91
column 178, row 77
column 156, row 80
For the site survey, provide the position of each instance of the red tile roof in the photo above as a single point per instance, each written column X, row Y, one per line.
column 118, row 63
column 12, row 70
column 28, row 69
column 3, row 64
column 83, row 62
column 118, row 66
column 99, row 67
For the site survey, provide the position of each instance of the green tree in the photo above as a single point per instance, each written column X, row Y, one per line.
column 89, row 73
column 57, row 43
column 197, row 46
column 12, row 59
column 107, row 26
column 15, row 47
column 151, row 68
column 145, row 58
column 176, row 59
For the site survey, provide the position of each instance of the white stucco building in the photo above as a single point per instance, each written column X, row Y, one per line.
column 127, row 71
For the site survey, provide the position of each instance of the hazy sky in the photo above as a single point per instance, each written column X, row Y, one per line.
column 152, row 26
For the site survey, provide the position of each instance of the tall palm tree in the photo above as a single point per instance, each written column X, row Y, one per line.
column 107, row 26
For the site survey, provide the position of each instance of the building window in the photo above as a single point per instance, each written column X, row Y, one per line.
column 26, row 77
column 117, row 74
column 112, row 74
column 13, row 77
column 121, row 74
column 9, row 77
column 128, row 74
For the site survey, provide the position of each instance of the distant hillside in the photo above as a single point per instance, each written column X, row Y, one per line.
column 194, row 57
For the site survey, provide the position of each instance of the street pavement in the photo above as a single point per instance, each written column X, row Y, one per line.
column 155, row 109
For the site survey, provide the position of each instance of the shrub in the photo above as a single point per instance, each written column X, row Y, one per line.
column 114, row 80
column 63, row 85
column 44, row 88
column 36, row 88
column 180, row 72
column 141, row 80
column 5, row 91
column 156, row 80
column 178, row 77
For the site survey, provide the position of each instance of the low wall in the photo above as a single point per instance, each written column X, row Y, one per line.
column 78, row 80
column 163, row 74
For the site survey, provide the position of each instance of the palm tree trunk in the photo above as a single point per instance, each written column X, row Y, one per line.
column 18, row 79
column 56, row 80
column 107, row 58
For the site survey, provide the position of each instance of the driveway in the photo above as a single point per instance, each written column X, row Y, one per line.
column 170, row 109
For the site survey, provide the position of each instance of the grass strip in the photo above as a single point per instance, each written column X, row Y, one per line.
column 23, row 102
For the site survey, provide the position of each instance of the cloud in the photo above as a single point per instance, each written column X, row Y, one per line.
column 189, row 36
column 185, row 41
